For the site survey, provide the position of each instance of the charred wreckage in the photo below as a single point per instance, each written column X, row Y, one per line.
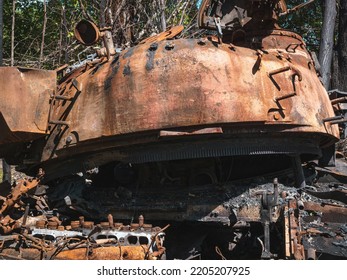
column 215, row 148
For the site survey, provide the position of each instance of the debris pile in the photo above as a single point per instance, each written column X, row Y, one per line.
column 29, row 229
column 252, row 218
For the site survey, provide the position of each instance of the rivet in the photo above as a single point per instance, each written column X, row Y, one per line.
column 202, row 42
column 169, row 46
column 153, row 47
column 69, row 139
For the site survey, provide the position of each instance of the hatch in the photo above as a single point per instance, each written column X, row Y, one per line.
column 228, row 15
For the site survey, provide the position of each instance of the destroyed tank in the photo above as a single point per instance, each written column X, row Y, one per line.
column 206, row 134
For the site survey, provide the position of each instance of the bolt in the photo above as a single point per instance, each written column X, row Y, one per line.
column 141, row 220
column 153, row 47
column 81, row 220
column 169, row 46
column 110, row 220
column 69, row 140
column 202, row 42
column 232, row 47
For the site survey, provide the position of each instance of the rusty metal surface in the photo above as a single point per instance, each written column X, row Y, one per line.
column 330, row 213
column 100, row 253
column 171, row 33
column 261, row 91
column 208, row 131
column 33, row 243
column 145, row 90
column 149, row 87
column 215, row 130
column 13, row 200
column 293, row 243
column 24, row 106
column 20, row 189
column 312, row 228
column 110, row 253
column 45, row 236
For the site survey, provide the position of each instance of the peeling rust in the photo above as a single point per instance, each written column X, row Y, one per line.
column 127, row 71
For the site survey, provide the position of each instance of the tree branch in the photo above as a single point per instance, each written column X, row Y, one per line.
column 12, row 30
column 327, row 41
column 43, row 32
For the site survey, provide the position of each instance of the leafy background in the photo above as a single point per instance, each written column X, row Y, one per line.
column 131, row 22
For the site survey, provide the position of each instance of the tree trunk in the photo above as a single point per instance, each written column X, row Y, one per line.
column 341, row 47
column 184, row 11
column 162, row 6
column 6, row 169
column 325, row 59
column 327, row 41
column 43, row 32
column 102, row 13
column 60, row 42
column 66, row 52
column 12, row 30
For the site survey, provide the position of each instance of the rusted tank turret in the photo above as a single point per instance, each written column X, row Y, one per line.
column 251, row 90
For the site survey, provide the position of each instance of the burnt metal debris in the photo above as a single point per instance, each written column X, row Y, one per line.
column 218, row 137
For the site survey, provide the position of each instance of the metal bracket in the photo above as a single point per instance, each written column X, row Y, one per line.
column 218, row 26
column 293, row 46
column 269, row 200
column 336, row 118
column 78, row 87
column 209, row 130
column 58, row 122
column 296, row 73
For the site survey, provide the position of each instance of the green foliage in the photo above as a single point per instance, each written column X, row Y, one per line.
column 131, row 23
column 307, row 22
column 28, row 22
column 182, row 13
column 28, row 31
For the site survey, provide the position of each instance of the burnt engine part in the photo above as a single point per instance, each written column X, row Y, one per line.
column 81, row 240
